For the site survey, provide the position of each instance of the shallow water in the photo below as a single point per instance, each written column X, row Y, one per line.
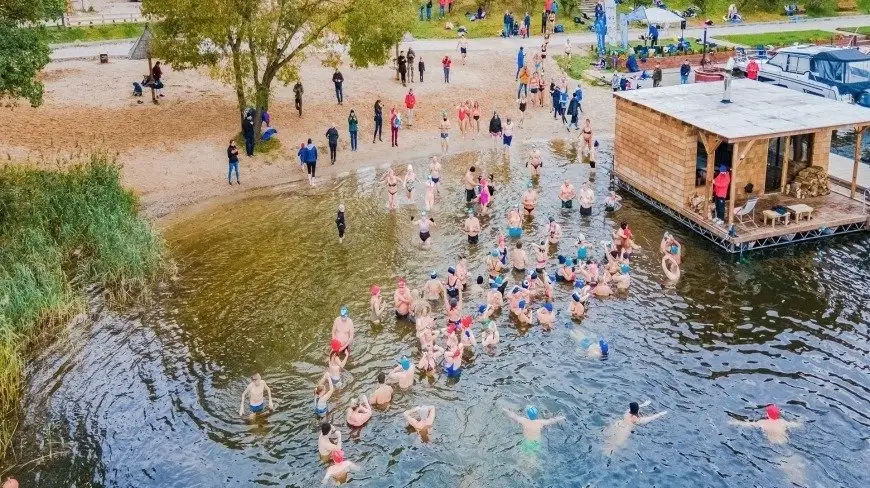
column 150, row 397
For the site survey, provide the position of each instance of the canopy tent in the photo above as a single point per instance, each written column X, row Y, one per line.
column 654, row 15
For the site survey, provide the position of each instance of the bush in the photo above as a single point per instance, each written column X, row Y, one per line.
column 820, row 7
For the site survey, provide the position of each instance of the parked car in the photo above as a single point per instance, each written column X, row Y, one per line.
column 837, row 73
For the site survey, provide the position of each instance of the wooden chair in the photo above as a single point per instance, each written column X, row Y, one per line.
column 745, row 214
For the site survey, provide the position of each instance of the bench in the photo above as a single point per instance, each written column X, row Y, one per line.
column 774, row 216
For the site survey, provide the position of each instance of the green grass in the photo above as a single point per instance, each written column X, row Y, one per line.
column 62, row 231
column 780, row 38
column 579, row 63
column 263, row 147
column 104, row 32
column 863, row 30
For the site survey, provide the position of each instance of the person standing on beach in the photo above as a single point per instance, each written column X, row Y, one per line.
column 521, row 61
column 379, row 121
column 446, row 62
column 297, row 96
column 495, row 129
column 527, row 21
column 310, row 159
column 233, row 156
column 410, row 103
column 338, row 81
column 411, row 56
column 395, row 125
column 248, row 133
column 444, row 127
column 524, row 81
column 352, row 129
column 402, row 63
column 332, row 138
column 421, row 67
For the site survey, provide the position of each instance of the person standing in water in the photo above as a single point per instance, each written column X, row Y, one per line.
column 343, row 330
column 507, row 135
column 532, row 426
column 514, row 222
column 325, row 444
column 554, row 231
column 377, row 304
column 322, row 393
column 340, row 224
column 421, row 419
column 470, row 185
column 587, row 199
column 339, row 470
column 429, row 197
column 535, row 163
column 472, row 227
column 530, row 200
column 383, row 394
column 254, row 393
column 334, row 366
column 774, row 426
column 409, row 181
column 402, row 300
column 618, row 432
column 403, row 374
column 359, row 412
column 424, row 223
column 435, row 171
column 392, row 182
column 567, row 194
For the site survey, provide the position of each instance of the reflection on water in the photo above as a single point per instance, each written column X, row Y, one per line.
column 150, row 398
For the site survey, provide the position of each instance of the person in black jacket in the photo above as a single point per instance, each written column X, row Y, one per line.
column 297, row 96
column 495, row 130
column 421, row 67
column 332, row 137
column 379, row 121
column 233, row 157
column 248, row 133
column 338, row 79
column 402, row 63
column 411, row 56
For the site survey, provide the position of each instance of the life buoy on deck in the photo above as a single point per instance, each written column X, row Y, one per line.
column 671, row 268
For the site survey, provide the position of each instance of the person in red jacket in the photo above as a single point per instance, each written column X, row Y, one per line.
column 752, row 70
column 721, row 185
column 410, row 103
column 446, row 62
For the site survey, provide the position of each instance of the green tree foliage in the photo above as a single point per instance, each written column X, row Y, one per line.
column 568, row 7
column 864, row 6
column 253, row 44
column 24, row 52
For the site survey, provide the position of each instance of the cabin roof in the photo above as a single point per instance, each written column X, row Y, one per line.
column 757, row 110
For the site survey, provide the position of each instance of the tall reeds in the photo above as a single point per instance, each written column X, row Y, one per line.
column 62, row 230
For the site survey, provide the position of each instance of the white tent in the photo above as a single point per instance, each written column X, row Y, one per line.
column 654, row 15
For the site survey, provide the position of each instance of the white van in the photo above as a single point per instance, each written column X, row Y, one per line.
column 837, row 73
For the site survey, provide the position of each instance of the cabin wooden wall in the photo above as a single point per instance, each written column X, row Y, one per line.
column 753, row 169
column 655, row 153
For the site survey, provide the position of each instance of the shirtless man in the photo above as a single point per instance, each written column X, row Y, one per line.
column 576, row 307
column 587, row 199
column 612, row 201
column 444, row 127
column 535, row 162
column 434, row 289
column 470, row 183
column 622, row 279
column 342, row 329
column 616, row 435
column 383, row 394
column 402, row 374
column 254, row 392
column 494, row 298
column 774, row 426
column 402, row 300
column 490, row 335
column 530, row 200
column 532, row 426
column 339, row 470
column 376, row 302
column 567, row 194
column 554, row 231
column 519, row 260
column 514, row 222
column 325, row 444
column 359, row 412
column 546, row 316
column 420, row 419
column 472, row 227
column 524, row 315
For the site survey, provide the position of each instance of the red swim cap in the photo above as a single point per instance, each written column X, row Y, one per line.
column 451, row 328
column 466, row 321
column 375, row 290
column 772, row 412
column 337, row 456
column 335, row 345
column 457, row 353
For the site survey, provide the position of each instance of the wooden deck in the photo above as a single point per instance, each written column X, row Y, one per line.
column 833, row 214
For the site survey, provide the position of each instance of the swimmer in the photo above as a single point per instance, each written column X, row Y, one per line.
column 254, row 391
column 429, row 198
column 342, row 329
column 554, row 231
column 514, row 222
column 383, row 394
column 774, row 426
column 535, row 162
column 616, row 435
column 470, row 185
column 402, row 374
column 466, row 337
column 623, row 280
column 433, row 289
column 427, row 336
column 546, row 316
column 453, row 361
column 672, row 247
column 419, row 306
column 339, row 223
column 483, row 197
column 451, row 337
column 583, row 248
column 359, row 412
column 322, row 392
column 523, row 314
column 546, row 283
column 494, row 264
column 376, row 302
column 490, row 335
column 566, row 271
column 325, row 444
column 452, row 287
column 541, row 256
column 402, row 300
column 601, row 287
column 476, row 288
column 409, row 181
column 519, row 260
column 620, row 235
column 597, row 350
column 587, row 199
column 494, row 298
column 612, row 201
column 334, row 366
column 567, row 194
column 576, row 308
column 514, row 298
column 392, row 182
column 423, row 222
column 530, row 200
column 339, row 470
column 444, row 127
column 462, row 272
column 429, row 360
column 502, row 246
column 531, row 424
column 453, row 309
column 420, row 419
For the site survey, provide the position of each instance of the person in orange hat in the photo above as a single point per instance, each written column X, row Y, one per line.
column 340, row 468
column 774, row 426
column 377, row 303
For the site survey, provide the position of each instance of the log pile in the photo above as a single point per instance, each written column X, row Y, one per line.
column 811, row 181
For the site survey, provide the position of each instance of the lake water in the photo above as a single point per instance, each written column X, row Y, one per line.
column 150, row 397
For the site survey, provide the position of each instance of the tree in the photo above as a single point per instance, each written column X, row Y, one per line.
column 251, row 44
column 568, row 7
column 24, row 50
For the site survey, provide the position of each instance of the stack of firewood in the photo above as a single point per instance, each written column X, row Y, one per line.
column 810, row 182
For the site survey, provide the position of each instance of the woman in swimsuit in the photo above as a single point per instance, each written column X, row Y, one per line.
column 409, row 181
column 451, row 285
column 462, row 112
column 322, row 392
column 587, row 137
column 392, row 182
column 424, row 224
column 541, row 257
column 514, row 222
column 490, row 186
column 535, row 80
column 462, row 272
column 502, row 249
column 483, row 196
column 334, row 366
column 475, row 114
column 541, row 85
column 430, row 357
column 522, row 111
column 494, row 264
column 435, row 171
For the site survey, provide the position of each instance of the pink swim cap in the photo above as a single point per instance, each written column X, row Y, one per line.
column 451, row 329
column 772, row 412
column 466, row 321
column 375, row 290
column 457, row 353
column 337, row 456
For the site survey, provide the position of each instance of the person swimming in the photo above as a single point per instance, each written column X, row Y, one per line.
column 532, row 426
column 774, row 426
column 554, row 231
column 322, row 392
column 359, row 412
column 255, row 394
column 339, row 470
column 616, row 435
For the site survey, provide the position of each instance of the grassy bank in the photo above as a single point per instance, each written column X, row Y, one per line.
column 104, row 32
column 63, row 230
column 781, row 38
column 863, row 30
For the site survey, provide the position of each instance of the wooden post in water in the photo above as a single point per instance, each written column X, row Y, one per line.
column 859, row 131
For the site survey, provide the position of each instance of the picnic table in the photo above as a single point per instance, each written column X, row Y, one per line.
column 773, row 216
column 801, row 211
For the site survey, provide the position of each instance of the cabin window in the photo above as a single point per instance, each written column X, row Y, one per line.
column 778, row 60
column 798, row 64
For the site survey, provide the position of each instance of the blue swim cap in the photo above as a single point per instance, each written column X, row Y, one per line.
column 433, row 274
column 529, row 184
column 470, row 211
column 515, row 290
column 493, row 284
column 602, row 344
column 343, row 311
column 722, row 169
column 534, row 275
column 548, row 306
column 532, row 413
column 624, row 268
column 675, row 249
column 561, row 259
column 481, row 308
column 579, row 283
column 585, row 343
column 451, row 270
column 551, row 278
column 499, row 280
column 405, row 363
column 494, row 253
column 522, row 304
column 576, row 297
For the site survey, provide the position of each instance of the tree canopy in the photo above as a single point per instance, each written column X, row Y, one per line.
column 24, row 50
column 252, row 44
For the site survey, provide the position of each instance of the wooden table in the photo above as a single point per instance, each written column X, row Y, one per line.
column 801, row 211
column 774, row 216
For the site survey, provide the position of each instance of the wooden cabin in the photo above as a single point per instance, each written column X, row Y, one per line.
column 670, row 142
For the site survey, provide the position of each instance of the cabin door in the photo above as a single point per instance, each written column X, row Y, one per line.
column 775, row 160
